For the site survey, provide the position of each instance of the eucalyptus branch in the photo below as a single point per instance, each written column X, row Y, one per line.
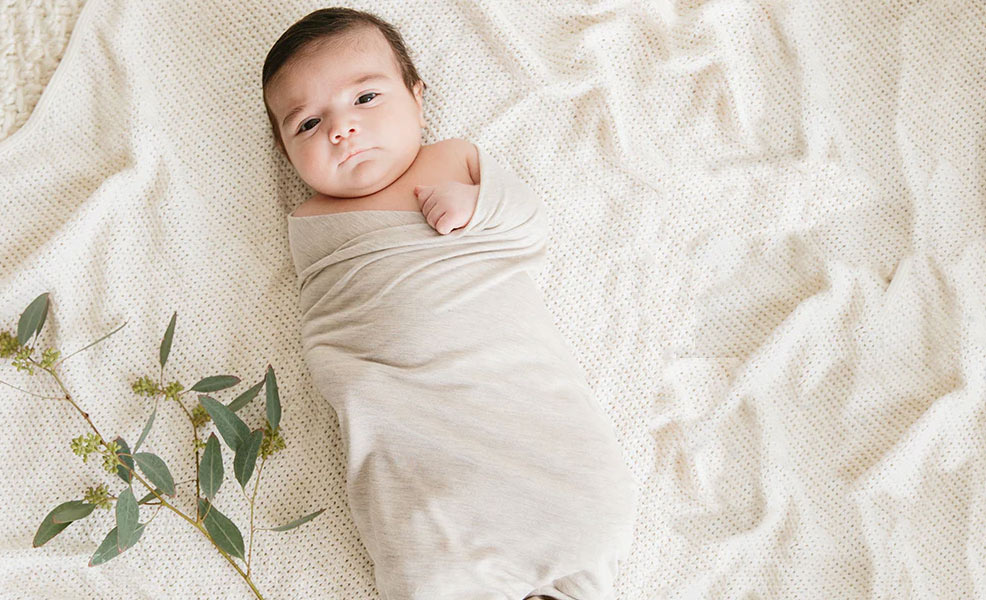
column 248, row 446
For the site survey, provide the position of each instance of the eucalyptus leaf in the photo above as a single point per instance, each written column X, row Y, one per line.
column 49, row 528
column 150, row 496
column 166, row 342
column 232, row 429
column 155, row 470
column 108, row 548
column 246, row 457
column 72, row 511
column 32, row 319
column 147, row 428
column 222, row 531
column 124, row 455
column 245, row 398
column 273, row 400
column 87, row 346
column 126, row 519
column 215, row 383
column 300, row 521
column 211, row 468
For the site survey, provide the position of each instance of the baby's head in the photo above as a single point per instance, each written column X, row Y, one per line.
column 321, row 109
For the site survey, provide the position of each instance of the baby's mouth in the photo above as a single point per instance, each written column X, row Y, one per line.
column 358, row 152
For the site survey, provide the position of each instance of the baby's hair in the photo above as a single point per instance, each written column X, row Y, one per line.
column 315, row 29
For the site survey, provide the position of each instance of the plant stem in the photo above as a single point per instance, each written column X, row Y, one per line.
column 256, row 483
column 154, row 515
column 245, row 576
column 195, row 436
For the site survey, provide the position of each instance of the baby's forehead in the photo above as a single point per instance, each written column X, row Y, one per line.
column 336, row 59
column 340, row 58
column 368, row 40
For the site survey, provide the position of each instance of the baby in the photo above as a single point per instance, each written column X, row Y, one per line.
column 345, row 105
column 478, row 466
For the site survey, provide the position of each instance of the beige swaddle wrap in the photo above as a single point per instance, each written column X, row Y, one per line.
column 479, row 464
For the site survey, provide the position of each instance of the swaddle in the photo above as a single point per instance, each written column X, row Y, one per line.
column 479, row 465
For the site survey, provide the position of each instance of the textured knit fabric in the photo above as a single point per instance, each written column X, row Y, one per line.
column 478, row 463
column 765, row 248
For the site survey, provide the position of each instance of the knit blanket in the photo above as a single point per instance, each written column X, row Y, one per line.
column 764, row 248
column 478, row 463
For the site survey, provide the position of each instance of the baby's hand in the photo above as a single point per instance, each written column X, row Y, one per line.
column 448, row 205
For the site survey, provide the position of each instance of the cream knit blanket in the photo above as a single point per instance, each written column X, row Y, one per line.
column 764, row 246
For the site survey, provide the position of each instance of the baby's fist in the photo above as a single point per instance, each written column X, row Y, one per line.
column 448, row 205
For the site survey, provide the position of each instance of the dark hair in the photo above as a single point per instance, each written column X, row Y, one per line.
column 320, row 26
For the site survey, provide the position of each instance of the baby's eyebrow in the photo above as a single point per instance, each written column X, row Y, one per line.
column 361, row 79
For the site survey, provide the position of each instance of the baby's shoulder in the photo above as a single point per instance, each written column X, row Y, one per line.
column 461, row 152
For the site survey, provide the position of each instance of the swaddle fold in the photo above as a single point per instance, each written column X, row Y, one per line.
column 479, row 465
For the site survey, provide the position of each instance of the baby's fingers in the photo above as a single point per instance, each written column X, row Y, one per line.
column 422, row 193
column 428, row 201
column 444, row 223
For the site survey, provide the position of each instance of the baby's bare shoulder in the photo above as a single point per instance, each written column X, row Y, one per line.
column 317, row 204
column 304, row 209
column 464, row 153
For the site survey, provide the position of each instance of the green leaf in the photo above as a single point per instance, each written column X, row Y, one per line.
column 72, row 511
column 126, row 519
column 215, row 383
column 166, row 342
column 93, row 343
column 126, row 460
column 32, row 319
column 246, row 457
column 150, row 496
column 49, row 528
column 300, row 521
column 108, row 548
column 211, row 468
column 221, row 529
column 245, row 398
column 147, row 428
column 155, row 470
column 273, row 400
column 231, row 428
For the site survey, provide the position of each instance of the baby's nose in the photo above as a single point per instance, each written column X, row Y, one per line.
column 348, row 133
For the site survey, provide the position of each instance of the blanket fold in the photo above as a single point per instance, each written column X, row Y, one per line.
column 479, row 464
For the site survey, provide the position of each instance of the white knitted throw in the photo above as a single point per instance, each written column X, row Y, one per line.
column 766, row 251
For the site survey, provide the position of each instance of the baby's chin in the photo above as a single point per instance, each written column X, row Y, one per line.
column 352, row 188
column 368, row 176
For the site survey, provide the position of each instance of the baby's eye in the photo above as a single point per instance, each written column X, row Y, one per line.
column 303, row 128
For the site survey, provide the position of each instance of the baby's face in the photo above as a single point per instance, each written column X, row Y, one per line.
column 339, row 114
